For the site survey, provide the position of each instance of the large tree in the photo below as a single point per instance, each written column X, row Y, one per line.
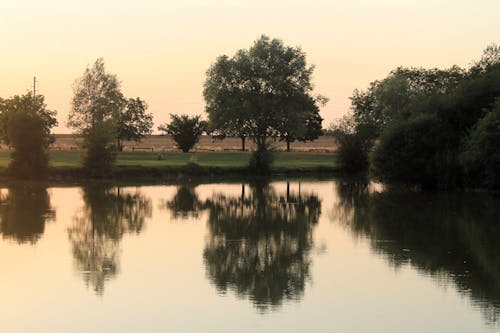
column 262, row 92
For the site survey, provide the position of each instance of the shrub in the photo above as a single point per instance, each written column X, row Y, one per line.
column 261, row 159
column 406, row 152
column 354, row 143
column 184, row 130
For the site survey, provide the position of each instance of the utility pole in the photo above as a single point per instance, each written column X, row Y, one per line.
column 34, row 89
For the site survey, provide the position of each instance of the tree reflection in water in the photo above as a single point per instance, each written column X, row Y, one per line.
column 24, row 210
column 107, row 215
column 452, row 237
column 259, row 244
column 185, row 203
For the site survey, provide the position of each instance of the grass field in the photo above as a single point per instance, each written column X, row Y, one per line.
column 165, row 143
column 293, row 161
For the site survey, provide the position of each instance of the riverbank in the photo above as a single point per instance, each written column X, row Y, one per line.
column 66, row 165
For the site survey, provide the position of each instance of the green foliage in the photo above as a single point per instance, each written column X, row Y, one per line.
column 406, row 153
column 354, row 143
column 262, row 92
column 25, row 125
column 134, row 123
column 481, row 154
column 27, row 137
column 403, row 90
column 185, row 130
column 96, row 105
column 419, row 120
column 100, row 155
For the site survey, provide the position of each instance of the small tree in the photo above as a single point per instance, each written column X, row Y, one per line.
column 96, row 106
column 134, row 123
column 184, row 130
column 25, row 126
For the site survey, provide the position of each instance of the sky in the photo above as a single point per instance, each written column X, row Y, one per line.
column 160, row 50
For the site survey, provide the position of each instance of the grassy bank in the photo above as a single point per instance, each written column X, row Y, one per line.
column 146, row 164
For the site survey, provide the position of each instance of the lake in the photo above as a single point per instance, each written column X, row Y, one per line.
column 280, row 256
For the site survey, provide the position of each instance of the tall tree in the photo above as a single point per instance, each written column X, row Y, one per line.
column 96, row 106
column 258, row 89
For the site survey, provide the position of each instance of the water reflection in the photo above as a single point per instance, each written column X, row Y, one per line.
column 453, row 237
column 259, row 244
column 24, row 210
column 185, row 203
column 108, row 213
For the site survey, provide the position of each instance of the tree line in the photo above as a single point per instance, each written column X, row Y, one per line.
column 263, row 93
column 431, row 128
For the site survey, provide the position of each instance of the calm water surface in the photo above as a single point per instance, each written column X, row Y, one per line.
column 317, row 256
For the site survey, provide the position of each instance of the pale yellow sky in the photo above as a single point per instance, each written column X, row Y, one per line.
column 160, row 50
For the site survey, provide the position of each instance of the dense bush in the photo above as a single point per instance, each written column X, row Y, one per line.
column 405, row 153
column 480, row 156
column 27, row 136
column 185, row 130
column 354, row 143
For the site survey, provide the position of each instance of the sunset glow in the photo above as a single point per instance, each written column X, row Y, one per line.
column 160, row 50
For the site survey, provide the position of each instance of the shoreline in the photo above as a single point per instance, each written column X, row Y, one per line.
column 187, row 173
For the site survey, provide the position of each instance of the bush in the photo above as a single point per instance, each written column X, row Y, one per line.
column 27, row 135
column 184, row 130
column 261, row 159
column 406, row 152
column 480, row 156
column 354, row 143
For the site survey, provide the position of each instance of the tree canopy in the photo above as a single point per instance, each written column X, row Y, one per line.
column 104, row 117
column 262, row 92
column 428, row 127
column 184, row 130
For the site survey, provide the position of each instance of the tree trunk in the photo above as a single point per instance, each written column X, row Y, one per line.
column 243, row 143
column 287, row 145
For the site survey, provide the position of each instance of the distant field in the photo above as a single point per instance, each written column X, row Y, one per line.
column 228, row 159
column 165, row 143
